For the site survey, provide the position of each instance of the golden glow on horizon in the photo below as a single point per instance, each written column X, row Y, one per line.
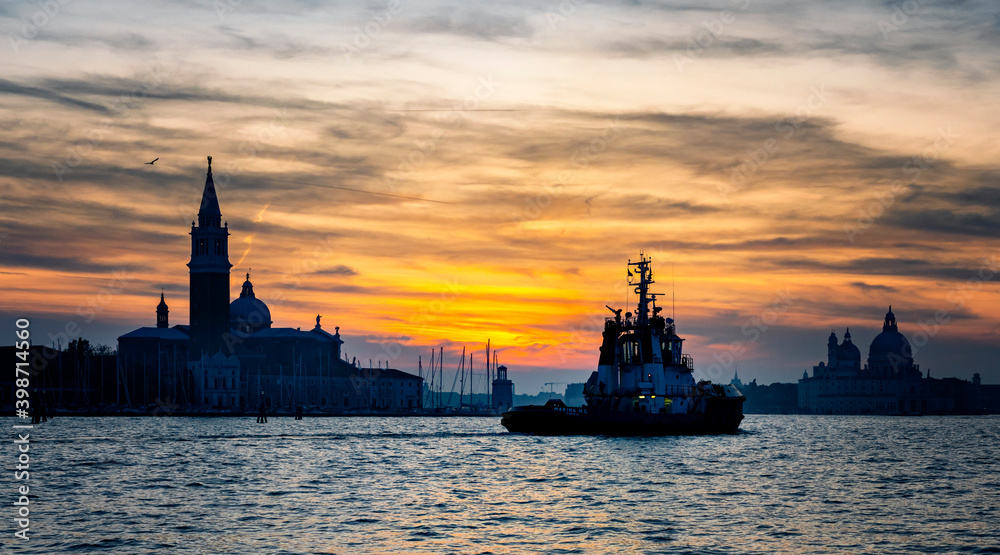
column 599, row 146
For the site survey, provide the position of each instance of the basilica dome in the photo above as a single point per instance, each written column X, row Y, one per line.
column 248, row 313
column 890, row 355
column 890, row 342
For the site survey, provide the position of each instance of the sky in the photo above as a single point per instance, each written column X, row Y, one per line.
column 442, row 174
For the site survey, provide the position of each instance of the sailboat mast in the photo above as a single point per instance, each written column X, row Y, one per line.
column 461, row 385
column 472, row 383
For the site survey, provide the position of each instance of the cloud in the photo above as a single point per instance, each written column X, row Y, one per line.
column 158, row 89
column 66, row 264
column 948, row 221
column 122, row 42
column 873, row 288
column 13, row 88
column 684, row 46
column 338, row 270
column 276, row 45
column 883, row 266
column 478, row 24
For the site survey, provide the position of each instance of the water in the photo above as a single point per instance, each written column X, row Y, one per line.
column 787, row 484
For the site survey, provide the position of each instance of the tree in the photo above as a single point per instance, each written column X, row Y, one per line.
column 78, row 349
column 102, row 350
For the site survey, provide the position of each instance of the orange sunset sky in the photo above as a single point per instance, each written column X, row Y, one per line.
column 440, row 174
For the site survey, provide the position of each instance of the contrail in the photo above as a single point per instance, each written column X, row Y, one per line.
column 359, row 191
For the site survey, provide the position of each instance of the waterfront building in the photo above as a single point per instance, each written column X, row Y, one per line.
column 777, row 398
column 231, row 357
column 890, row 382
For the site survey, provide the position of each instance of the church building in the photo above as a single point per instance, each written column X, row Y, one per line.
column 230, row 356
column 890, row 382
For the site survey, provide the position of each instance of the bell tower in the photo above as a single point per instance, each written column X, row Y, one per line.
column 162, row 313
column 209, row 267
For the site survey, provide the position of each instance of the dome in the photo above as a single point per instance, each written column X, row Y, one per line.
column 890, row 345
column 890, row 342
column 848, row 350
column 249, row 311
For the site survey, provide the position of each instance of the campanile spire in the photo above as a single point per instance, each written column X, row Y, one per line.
column 209, row 275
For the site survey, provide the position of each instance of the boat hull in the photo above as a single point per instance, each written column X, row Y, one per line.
column 721, row 416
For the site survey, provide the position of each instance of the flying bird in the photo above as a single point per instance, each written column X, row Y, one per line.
column 153, row 162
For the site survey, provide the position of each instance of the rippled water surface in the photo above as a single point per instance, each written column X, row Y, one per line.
column 786, row 484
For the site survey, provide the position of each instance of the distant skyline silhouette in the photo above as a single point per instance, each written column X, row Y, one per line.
column 444, row 174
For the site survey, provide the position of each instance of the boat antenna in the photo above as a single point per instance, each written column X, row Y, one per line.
column 673, row 293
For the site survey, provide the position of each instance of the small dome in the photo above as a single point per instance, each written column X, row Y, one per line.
column 848, row 350
column 248, row 313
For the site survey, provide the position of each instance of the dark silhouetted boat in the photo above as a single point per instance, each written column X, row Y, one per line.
column 643, row 384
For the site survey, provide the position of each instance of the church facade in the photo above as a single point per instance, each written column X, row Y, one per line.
column 230, row 356
column 890, row 382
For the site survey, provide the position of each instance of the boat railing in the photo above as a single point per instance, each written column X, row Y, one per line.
column 688, row 360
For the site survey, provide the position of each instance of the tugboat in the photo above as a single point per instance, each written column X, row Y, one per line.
column 643, row 384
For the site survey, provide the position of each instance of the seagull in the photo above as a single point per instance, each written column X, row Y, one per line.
column 153, row 162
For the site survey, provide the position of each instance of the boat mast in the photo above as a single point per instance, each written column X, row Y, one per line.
column 642, row 289
column 487, row 374
column 461, row 386
column 472, row 383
